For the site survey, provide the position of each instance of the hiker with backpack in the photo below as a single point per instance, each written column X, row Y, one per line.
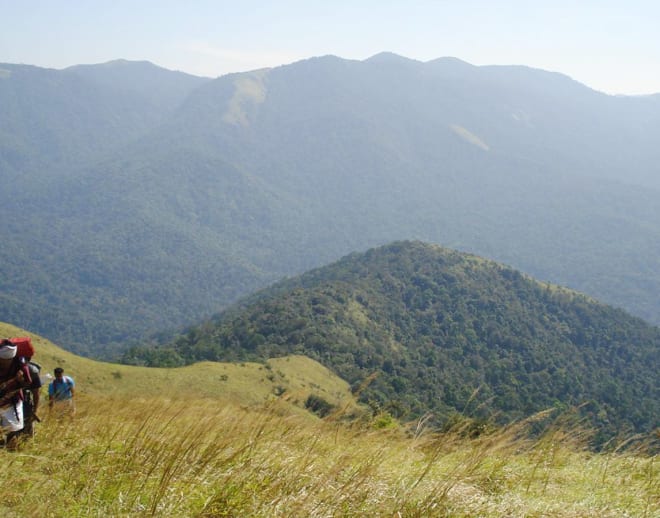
column 14, row 376
column 60, row 393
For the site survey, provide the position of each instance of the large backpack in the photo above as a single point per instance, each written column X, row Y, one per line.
column 24, row 347
column 11, row 390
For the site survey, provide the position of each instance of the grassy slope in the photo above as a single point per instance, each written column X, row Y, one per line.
column 244, row 383
column 160, row 456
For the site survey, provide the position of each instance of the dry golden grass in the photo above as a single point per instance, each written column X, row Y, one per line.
column 198, row 457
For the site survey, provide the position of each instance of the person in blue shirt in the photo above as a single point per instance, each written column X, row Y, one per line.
column 60, row 393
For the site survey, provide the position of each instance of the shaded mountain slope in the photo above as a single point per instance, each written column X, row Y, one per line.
column 54, row 120
column 447, row 332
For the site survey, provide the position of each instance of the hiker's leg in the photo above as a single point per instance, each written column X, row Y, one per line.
column 11, row 442
column 28, row 420
column 28, row 430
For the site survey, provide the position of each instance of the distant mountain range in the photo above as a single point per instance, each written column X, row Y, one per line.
column 444, row 332
column 138, row 199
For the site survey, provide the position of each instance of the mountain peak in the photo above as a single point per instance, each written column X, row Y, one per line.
column 115, row 64
column 125, row 65
column 450, row 61
column 389, row 57
column 128, row 62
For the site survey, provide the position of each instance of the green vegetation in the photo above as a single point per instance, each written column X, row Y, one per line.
column 138, row 199
column 440, row 331
column 174, row 451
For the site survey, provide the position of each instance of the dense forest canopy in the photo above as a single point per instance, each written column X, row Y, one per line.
column 444, row 332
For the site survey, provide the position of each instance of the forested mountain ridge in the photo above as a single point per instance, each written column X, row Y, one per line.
column 444, row 332
column 57, row 120
column 125, row 215
column 164, row 88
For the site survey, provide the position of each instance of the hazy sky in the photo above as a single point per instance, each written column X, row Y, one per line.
column 612, row 46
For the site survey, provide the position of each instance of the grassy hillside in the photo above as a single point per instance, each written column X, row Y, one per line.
column 240, row 383
column 444, row 332
column 134, row 453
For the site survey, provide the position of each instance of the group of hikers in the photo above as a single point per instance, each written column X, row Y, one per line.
column 20, row 386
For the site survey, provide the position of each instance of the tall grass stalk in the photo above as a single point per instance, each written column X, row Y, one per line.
column 202, row 458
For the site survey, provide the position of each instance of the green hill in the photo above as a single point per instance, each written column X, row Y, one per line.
column 446, row 332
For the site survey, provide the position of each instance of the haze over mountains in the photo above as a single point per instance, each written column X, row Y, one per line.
column 138, row 198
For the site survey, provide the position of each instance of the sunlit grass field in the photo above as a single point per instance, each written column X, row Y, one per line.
column 180, row 449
